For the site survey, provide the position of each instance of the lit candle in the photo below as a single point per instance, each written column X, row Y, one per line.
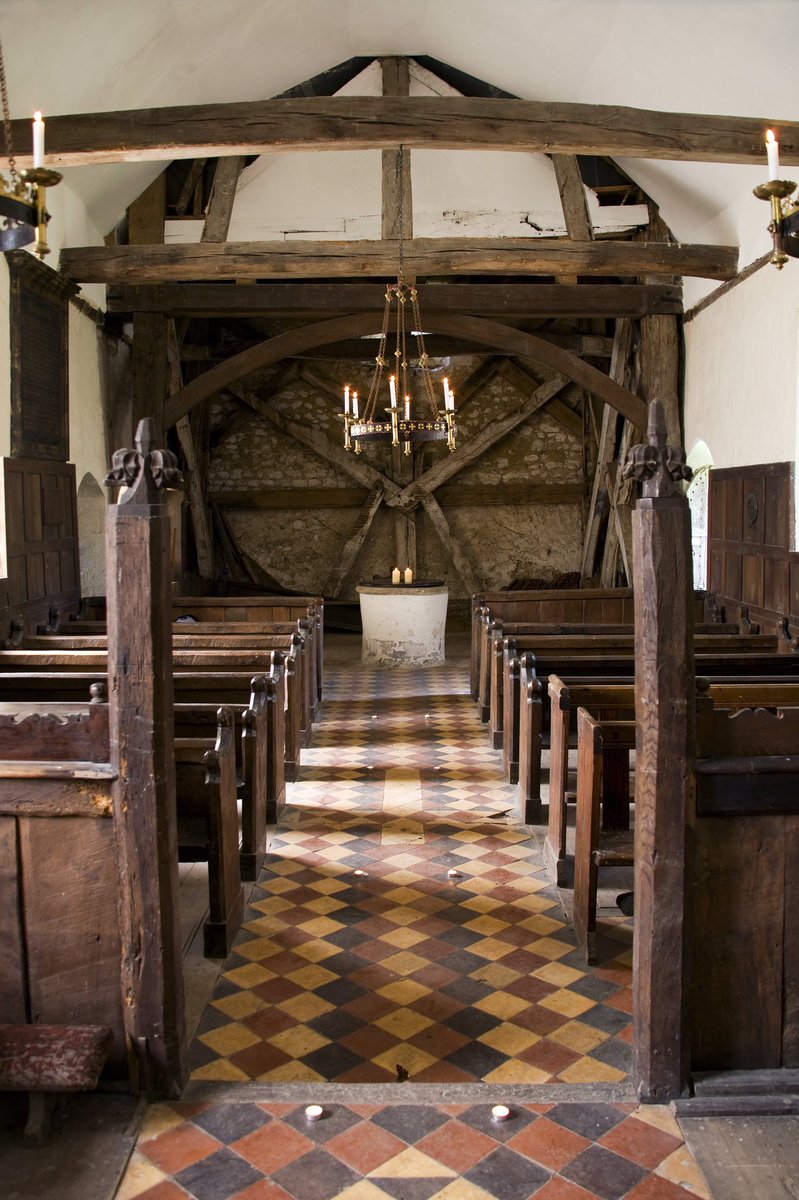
column 773, row 152
column 500, row 1112
column 395, row 575
column 446, row 393
column 407, row 408
column 347, row 399
column 38, row 140
column 392, row 387
column 449, row 400
column 355, row 404
column 408, row 575
column 314, row 1112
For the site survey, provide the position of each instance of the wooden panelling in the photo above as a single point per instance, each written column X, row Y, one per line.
column 749, row 558
column 790, row 1023
column 737, row 989
column 40, row 527
column 73, row 966
column 13, row 1009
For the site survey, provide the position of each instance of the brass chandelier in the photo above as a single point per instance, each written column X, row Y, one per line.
column 23, row 211
column 409, row 419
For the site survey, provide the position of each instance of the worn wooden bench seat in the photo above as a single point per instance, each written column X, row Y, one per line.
column 43, row 1060
column 612, row 701
column 611, row 666
column 597, row 606
column 208, row 827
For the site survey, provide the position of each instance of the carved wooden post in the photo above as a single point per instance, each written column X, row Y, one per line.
column 142, row 751
column 665, row 692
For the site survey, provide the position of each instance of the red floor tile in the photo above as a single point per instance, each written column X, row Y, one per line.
column 457, row 1146
column 641, row 1142
column 365, row 1147
column 273, row 1146
column 180, row 1147
column 549, row 1144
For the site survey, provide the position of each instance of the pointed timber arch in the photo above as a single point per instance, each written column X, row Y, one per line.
column 489, row 333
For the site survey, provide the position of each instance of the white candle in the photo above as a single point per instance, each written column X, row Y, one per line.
column 395, row 575
column 392, row 387
column 347, row 399
column 408, row 575
column 38, row 140
column 500, row 1112
column 449, row 400
column 773, row 152
column 355, row 404
column 407, row 408
column 314, row 1112
column 446, row 393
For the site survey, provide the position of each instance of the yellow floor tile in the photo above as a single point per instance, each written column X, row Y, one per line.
column 509, row 1038
column 311, row 977
column 403, row 1023
column 404, row 963
column 491, row 948
column 292, row 1072
column 305, row 1006
column 249, row 976
column 514, row 1071
column 558, row 974
column 410, row 1057
column 502, row 1004
column 229, row 1038
column 403, row 991
column 220, row 1071
column 403, row 937
column 140, row 1176
column 413, row 1164
column 591, row 1070
column 158, row 1119
column 681, row 1168
column 578, row 1037
column 570, row 1004
column 240, row 1004
column 298, row 1041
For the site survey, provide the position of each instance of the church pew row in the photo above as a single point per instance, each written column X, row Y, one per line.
column 55, row 763
column 616, row 702
column 747, row 791
column 295, row 638
column 742, row 664
column 256, row 610
column 592, row 606
column 237, row 664
column 587, row 639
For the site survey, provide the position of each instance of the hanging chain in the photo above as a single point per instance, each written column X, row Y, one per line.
column 12, row 162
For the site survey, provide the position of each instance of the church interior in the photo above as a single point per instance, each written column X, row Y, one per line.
column 399, row 695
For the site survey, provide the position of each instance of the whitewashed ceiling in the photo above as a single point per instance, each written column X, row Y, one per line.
column 706, row 56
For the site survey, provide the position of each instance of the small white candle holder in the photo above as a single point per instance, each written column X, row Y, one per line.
column 361, row 874
column 314, row 1112
column 500, row 1112
column 454, row 873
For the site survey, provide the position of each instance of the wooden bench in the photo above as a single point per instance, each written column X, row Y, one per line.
column 578, row 639
column 611, row 665
column 743, row 882
column 616, row 701
column 43, row 1060
column 208, row 827
column 597, row 606
column 70, row 679
column 602, row 835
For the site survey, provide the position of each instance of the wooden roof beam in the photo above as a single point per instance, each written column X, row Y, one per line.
column 382, row 122
column 423, row 256
column 283, row 299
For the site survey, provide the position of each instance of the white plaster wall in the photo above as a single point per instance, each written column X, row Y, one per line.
column 741, row 371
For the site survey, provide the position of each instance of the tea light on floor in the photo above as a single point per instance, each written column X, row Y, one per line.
column 361, row 874
column 454, row 873
column 500, row 1112
column 314, row 1112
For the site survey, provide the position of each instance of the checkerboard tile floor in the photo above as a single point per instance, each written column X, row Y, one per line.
column 404, row 926
column 265, row 1151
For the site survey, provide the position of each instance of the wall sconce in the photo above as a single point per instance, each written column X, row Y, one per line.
column 784, row 225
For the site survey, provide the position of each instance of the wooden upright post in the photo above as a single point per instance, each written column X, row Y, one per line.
column 665, row 702
column 142, row 751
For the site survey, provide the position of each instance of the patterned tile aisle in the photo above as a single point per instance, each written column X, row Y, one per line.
column 404, row 929
column 404, row 926
column 267, row 1151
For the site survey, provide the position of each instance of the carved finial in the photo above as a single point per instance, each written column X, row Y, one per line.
column 145, row 471
column 655, row 465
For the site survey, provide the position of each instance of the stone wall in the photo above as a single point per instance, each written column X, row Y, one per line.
column 301, row 547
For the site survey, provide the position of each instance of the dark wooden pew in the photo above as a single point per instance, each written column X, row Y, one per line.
column 602, row 835
column 38, row 744
column 545, row 639
column 597, row 606
column 616, row 701
column 208, row 827
column 749, row 664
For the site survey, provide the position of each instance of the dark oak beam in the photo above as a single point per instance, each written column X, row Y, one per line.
column 450, row 496
column 363, row 349
column 503, row 338
column 378, row 122
column 490, row 299
column 423, row 256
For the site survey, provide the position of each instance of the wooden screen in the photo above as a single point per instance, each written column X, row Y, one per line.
column 40, row 530
column 749, row 545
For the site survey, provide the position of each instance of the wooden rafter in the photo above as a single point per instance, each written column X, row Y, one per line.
column 352, row 547
column 488, row 299
column 378, row 122
column 223, row 194
column 423, row 256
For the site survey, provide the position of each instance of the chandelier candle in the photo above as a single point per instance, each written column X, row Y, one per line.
column 773, row 155
column 38, row 140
